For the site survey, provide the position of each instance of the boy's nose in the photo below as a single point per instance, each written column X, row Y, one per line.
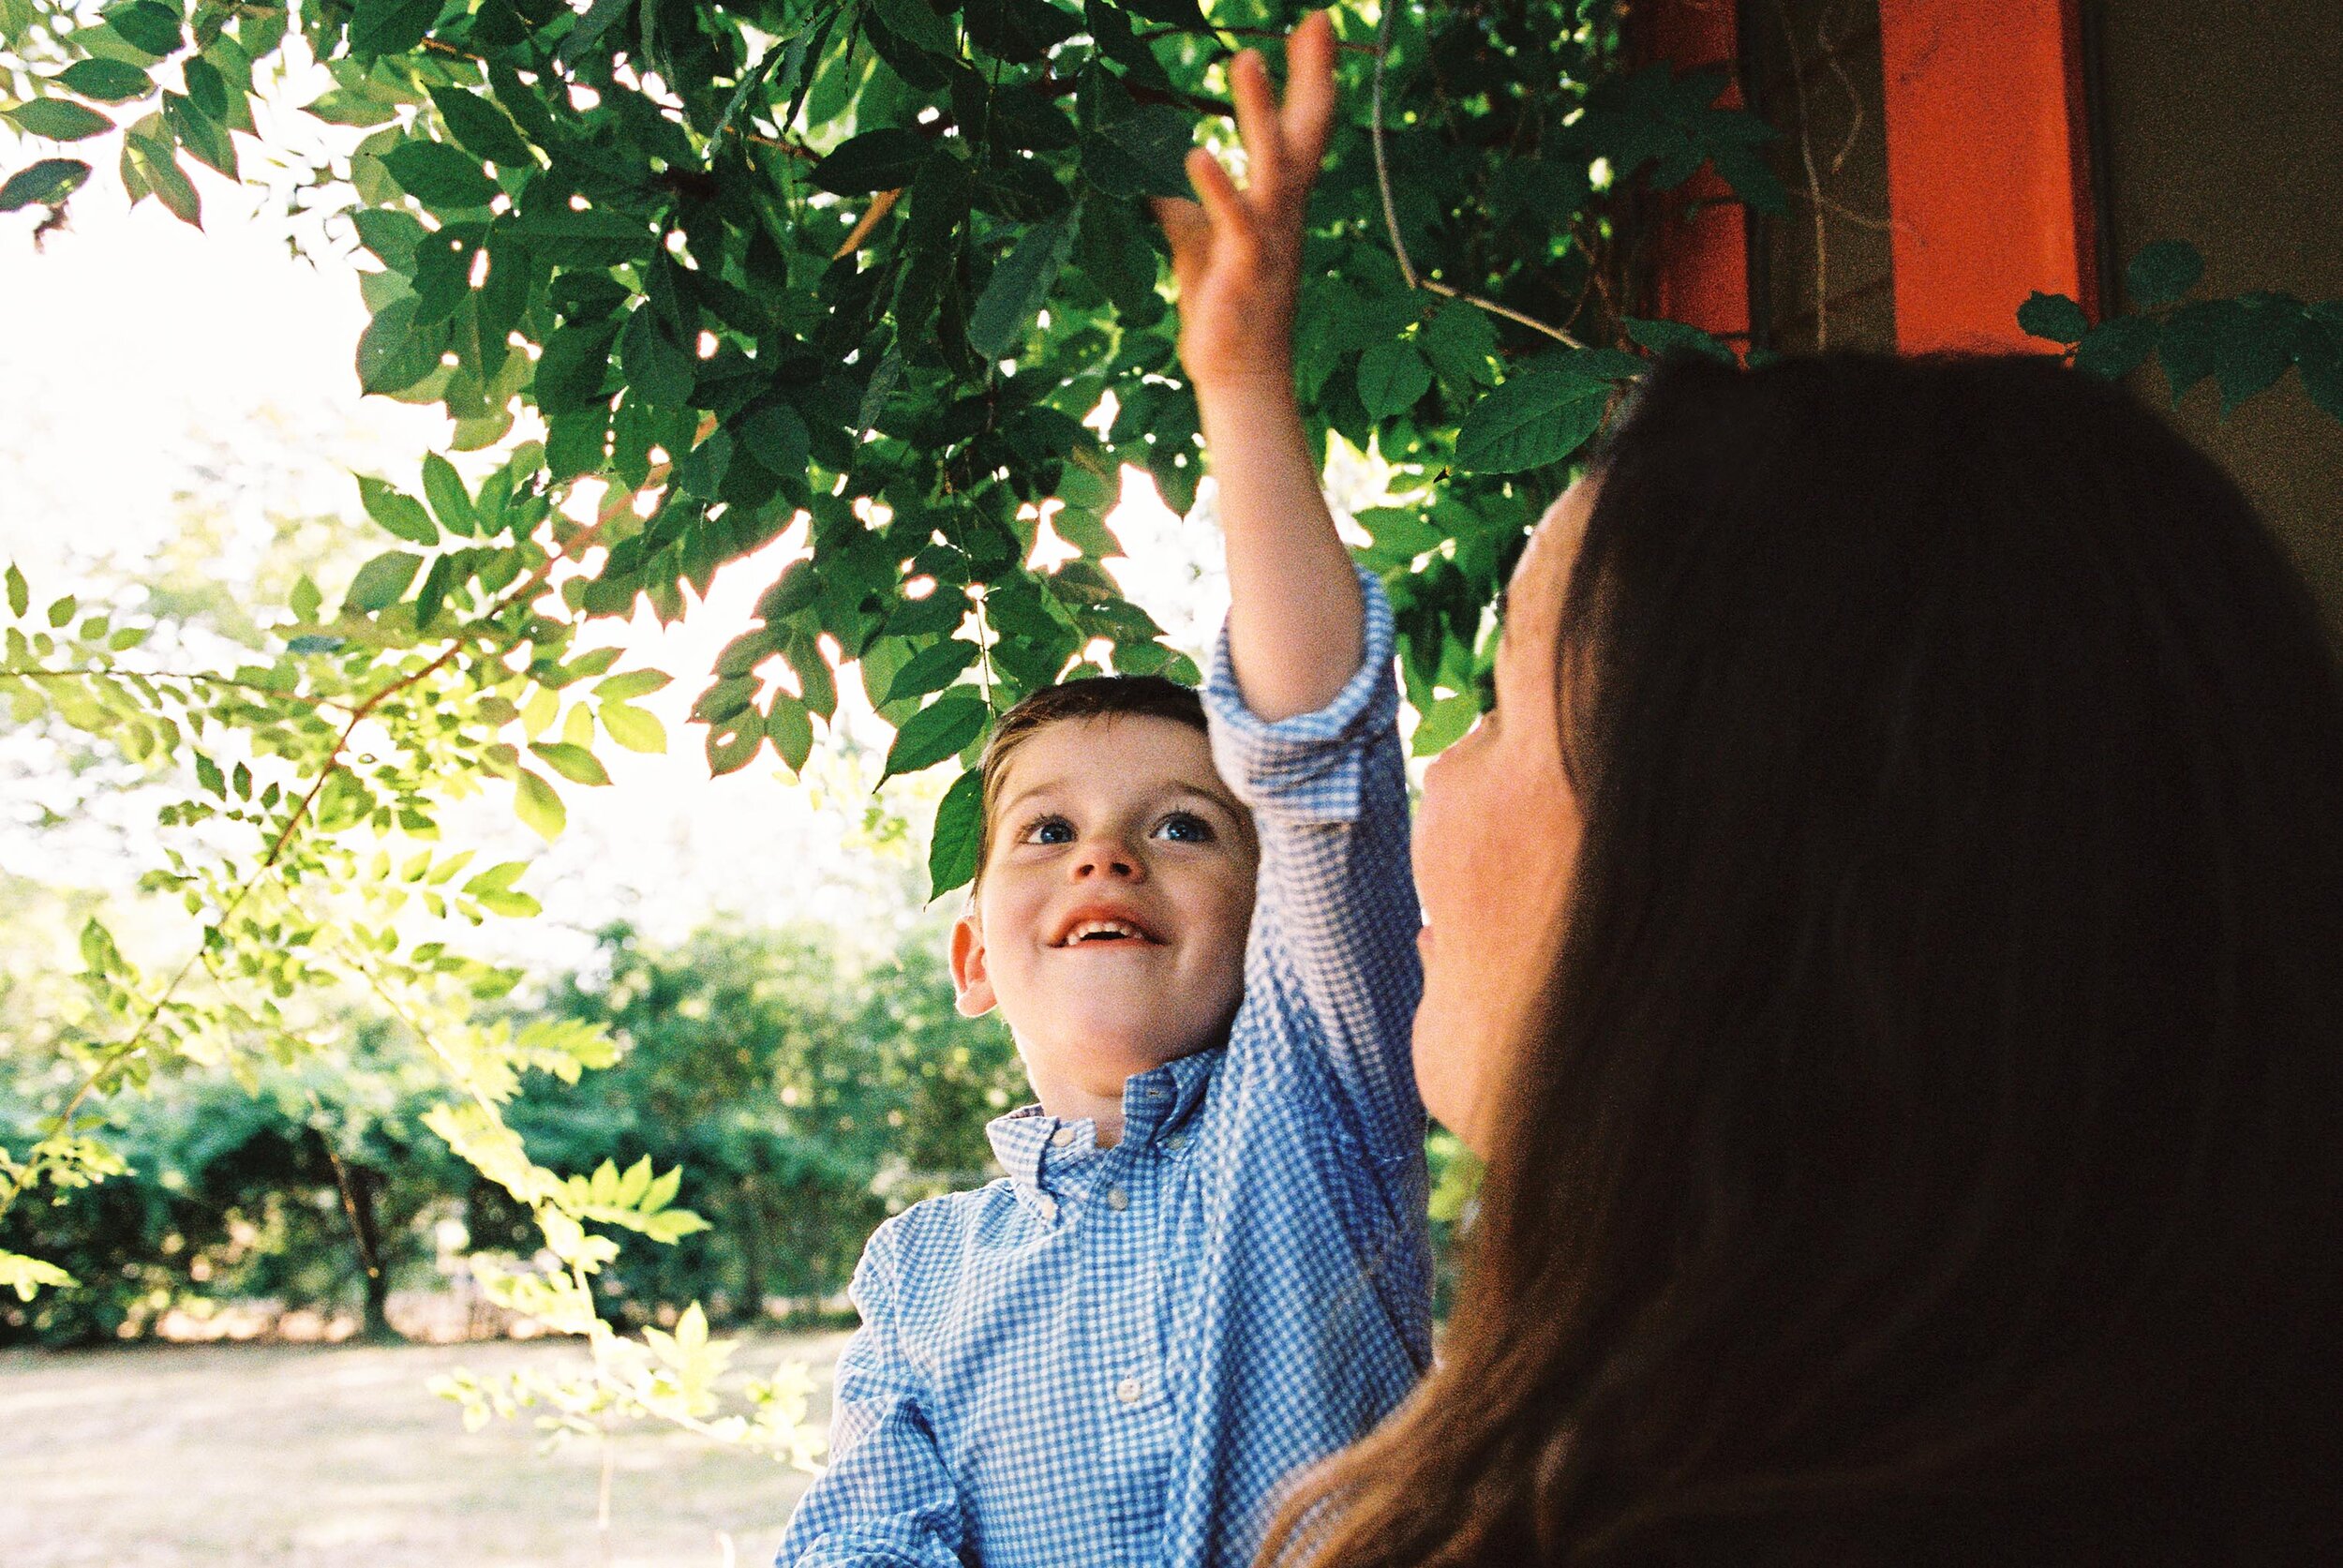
column 1113, row 861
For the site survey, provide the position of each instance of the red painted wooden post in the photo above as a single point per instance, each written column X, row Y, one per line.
column 1704, row 252
column 1988, row 167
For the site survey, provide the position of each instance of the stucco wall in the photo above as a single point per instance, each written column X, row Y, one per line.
column 2224, row 127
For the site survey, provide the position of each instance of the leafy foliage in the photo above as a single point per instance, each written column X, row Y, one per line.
column 297, row 832
column 884, row 266
column 2244, row 343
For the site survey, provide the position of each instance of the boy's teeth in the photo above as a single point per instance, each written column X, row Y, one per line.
column 1089, row 929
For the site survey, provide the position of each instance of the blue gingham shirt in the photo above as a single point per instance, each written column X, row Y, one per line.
column 1113, row 1358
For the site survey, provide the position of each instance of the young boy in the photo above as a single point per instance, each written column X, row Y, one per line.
column 1208, row 1265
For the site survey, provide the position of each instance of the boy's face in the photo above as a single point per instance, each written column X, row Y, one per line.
column 1110, row 923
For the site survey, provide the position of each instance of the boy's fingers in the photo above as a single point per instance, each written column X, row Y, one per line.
column 1257, row 119
column 1231, row 225
column 1308, row 116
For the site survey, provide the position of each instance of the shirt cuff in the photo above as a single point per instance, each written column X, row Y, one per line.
column 1309, row 767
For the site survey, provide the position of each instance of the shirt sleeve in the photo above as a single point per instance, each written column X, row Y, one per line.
column 1334, row 943
column 887, row 1500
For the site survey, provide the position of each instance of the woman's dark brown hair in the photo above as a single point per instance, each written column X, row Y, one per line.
column 1931, row 1148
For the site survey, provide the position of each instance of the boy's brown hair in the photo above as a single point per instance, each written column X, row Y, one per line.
column 1095, row 697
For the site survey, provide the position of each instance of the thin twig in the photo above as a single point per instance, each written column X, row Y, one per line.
column 1838, row 69
column 1814, row 179
column 881, row 205
column 1269, row 32
column 350, row 1194
column 116, row 672
column 1391, row 211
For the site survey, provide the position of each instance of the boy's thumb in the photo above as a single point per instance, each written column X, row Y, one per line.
column 1186, row 227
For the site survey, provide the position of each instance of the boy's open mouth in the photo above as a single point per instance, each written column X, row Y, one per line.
column 1105, row 930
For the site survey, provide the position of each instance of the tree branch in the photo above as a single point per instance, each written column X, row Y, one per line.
column 1391, row 211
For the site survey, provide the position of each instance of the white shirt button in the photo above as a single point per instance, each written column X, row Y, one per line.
column 1128, row 1391
column 1048, row 1206
column 1175, row 1140
column 1118, row 1200
column 1062, row 1137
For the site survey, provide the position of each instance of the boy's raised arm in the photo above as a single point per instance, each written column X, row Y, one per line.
column 1303, row 709
column 1295, row 616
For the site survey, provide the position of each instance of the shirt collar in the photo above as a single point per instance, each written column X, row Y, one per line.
column 1156, row 1103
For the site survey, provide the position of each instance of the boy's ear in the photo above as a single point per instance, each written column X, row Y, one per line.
column 971, row 986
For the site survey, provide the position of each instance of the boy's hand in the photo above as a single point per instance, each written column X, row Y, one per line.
column 1237, row 257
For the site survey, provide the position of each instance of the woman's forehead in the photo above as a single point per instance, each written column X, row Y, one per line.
column 1542, row 573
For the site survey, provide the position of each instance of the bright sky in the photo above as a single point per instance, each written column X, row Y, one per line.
column 139, row 353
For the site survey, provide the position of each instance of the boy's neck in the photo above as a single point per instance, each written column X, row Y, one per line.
column 1071, row 1102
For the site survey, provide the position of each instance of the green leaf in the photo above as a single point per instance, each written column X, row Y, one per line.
column 482, row 128
column 58, row 119
column 1141, row 154
column 817, row 687
column 1443, row 723
column 27, row 1276
column 381, row 581
column 597, row 20
column 147, row 26
column 1461, row 340
column 390, row 26
column 876, row 160
column 656, row 367
column 790, row 728
column 1530, row 421
column 107, row 81
column 47, row 181
column 2116, row 347
column 724, row 699
column 776, row 436
column 20, row 591
column 2163, row 272
column 2320, row 359
column 536, row 804
column 2054, row 317
column 936, row 732
column 932, row 670
column 1184, row 14
column 1019, row 287
column 573, row 763
column 959, row 828
column 633, row 728
column 915, row 22
column 630, row 684
column 574, row 368
column 207, row 774
column 401, row 515
column 202, row 135
column 2259, row 348
column 151, row 168
column 732, row 744
column 440, row 174
column 344, row 106
column 394, row 354
column 449, row 501
column 1663, row 336
column 1391, row 376
column 206, row 89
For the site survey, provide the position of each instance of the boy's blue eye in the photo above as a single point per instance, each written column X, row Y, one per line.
column 1050, row 830
column 1187, row 828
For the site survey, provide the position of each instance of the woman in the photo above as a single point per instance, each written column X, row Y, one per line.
column 1887, row 943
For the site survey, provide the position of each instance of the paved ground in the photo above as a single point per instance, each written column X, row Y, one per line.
column 151, row 1456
